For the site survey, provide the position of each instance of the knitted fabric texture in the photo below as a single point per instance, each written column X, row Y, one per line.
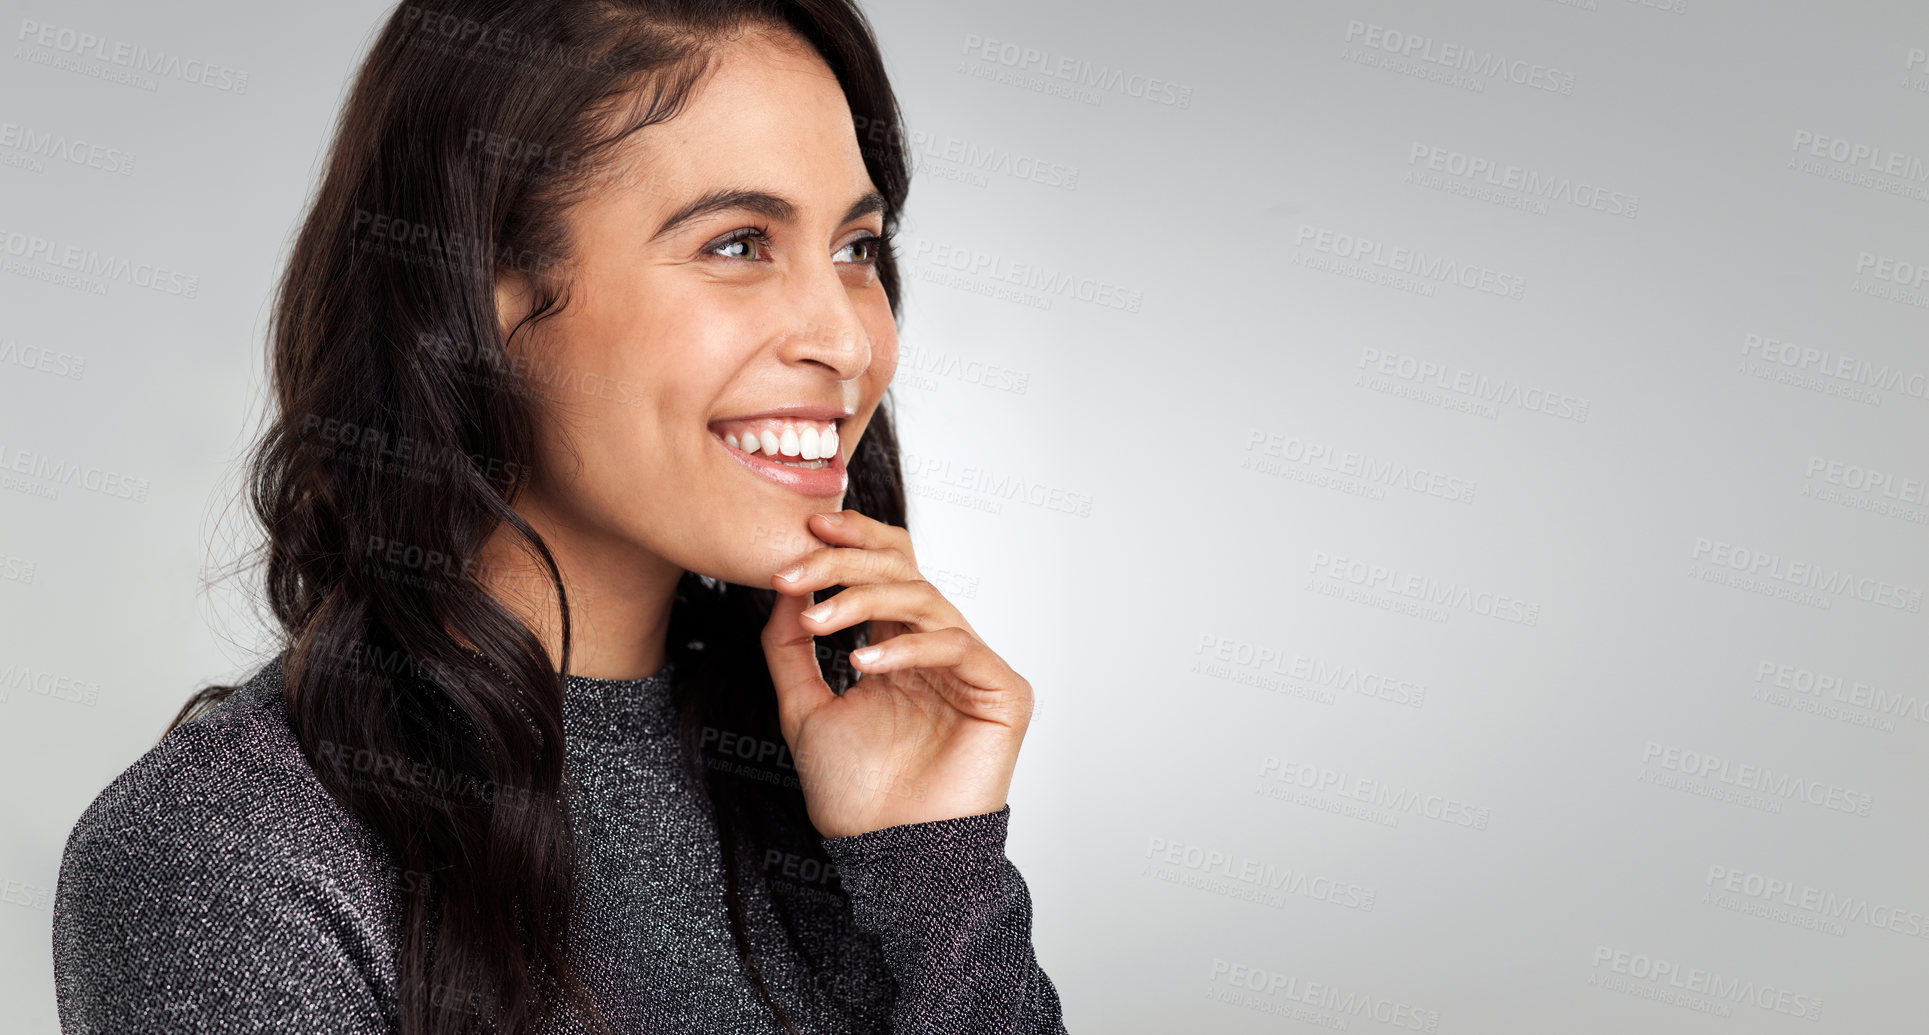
column 215, row 887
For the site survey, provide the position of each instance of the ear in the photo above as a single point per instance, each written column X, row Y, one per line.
column 515, row 296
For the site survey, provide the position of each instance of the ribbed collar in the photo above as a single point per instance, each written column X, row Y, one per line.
column 618, row 708
column 615, row 705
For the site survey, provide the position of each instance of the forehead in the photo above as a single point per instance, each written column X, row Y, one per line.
column 769, row 113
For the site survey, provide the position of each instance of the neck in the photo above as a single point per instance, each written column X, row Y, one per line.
column 619, row 594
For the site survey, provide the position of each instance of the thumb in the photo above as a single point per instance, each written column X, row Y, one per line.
column 791, row 651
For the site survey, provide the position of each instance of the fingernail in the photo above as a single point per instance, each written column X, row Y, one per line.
column 791, row 573
column 834, row 517
column 867, row 654
column 819, row 612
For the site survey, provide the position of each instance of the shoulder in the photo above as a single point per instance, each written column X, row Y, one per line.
column 219, row 847
column 229, row 788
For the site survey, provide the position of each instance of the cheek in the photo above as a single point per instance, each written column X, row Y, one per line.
column 677, row 330
column 680, row 350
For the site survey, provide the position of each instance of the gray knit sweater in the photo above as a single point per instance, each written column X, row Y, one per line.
column 216, row 887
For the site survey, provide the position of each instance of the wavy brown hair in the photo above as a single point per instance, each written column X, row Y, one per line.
column 402, row 433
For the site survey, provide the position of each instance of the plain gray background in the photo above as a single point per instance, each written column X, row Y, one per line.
column 1460, row 458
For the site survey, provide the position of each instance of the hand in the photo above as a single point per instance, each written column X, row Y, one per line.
column 931, row 728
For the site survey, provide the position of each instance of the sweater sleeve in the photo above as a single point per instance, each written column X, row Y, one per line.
column 953, row 917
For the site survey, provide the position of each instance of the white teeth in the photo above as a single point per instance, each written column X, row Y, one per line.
column 800, row 442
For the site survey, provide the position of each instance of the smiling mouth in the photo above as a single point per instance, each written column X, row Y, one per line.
column 790, row 441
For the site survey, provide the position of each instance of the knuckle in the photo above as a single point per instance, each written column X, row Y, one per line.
column 924, row 599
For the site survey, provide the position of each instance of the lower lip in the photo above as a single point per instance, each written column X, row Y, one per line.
column 828, row 480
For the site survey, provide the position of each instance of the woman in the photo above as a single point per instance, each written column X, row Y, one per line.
column 581, row 355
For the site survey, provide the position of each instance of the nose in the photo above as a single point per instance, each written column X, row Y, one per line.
column 826, row 327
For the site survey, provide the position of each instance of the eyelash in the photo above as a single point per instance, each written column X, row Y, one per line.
column 760, row 233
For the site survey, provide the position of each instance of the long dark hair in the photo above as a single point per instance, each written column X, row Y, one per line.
column 403, row 431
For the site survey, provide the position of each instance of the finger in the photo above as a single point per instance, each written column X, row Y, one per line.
column 953, row 648
column 791, row 652
column 845, row 566
column 915, row 603
column 850, row 528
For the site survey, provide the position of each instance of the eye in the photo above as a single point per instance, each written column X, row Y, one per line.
column 868, row 246
column 747, row 244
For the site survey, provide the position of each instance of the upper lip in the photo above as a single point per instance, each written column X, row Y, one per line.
column 830, row 413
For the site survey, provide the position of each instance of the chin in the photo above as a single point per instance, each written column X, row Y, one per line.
column 760, row 548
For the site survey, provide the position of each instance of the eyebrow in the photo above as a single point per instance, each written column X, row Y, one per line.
column 764, row 203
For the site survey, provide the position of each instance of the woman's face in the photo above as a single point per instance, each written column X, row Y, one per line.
column 686, row 322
